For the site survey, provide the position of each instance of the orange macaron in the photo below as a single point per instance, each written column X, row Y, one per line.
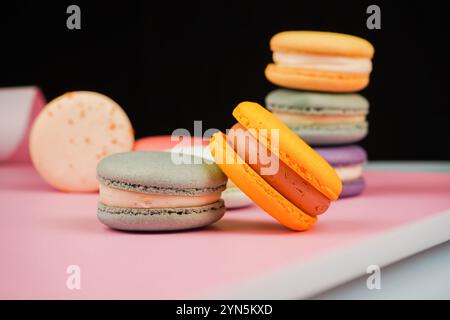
column 320, row 61
column 275, row 168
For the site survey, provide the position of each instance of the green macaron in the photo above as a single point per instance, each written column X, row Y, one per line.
column 158, row 191
column 321, row 118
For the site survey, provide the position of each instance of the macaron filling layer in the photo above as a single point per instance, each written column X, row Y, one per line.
column 323, row 62
column 131, row 199
column 349, row 173
column 305, row 119
column 285, row 180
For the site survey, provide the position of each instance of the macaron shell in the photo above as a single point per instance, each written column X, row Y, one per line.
column 293, row 151
column 280, row 176
column 158, row 172
column 72, row 134
column 235, row 198
column 162, row 143
column 165, row 219
column 313, row 103
column 306, row 79
column 254, row 186
column 343, row 156
column 327, row 43
column 331, row 135
column 353, row 188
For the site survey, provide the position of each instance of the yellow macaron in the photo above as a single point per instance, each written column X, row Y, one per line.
column 304, row 183
column 320, row 61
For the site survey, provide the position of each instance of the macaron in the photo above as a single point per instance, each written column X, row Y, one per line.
column 275, row 168
column 321, row 118
column 72, row 133
column 320, row 61
column 166, row 142
column 348, row 163
column 233, row 197
column 153, row 191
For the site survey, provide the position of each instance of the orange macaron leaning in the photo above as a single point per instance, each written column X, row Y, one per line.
column 275, row 168
column 320, row 61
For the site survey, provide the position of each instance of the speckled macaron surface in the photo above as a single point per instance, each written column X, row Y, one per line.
column 167, row 193
column 321, row 118
column 72, row 134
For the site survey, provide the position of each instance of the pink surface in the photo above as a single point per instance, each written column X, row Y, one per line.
column 44, row 231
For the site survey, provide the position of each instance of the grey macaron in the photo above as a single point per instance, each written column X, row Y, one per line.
column 284, row 102
column 154, row 172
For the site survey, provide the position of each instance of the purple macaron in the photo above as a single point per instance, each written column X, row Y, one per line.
column 347, row 161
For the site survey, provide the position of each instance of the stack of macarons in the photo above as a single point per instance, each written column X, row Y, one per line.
column 319, row 73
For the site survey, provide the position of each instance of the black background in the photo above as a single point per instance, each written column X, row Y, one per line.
column 168, row 64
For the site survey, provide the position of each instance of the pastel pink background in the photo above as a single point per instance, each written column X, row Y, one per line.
column 43, row 231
